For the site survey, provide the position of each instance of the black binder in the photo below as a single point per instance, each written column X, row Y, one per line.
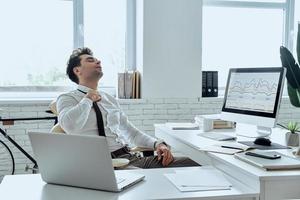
column 209, row 83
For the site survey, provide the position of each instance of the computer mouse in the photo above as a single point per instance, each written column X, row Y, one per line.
column 263, row 141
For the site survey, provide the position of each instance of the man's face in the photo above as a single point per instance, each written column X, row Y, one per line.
column 89, row 69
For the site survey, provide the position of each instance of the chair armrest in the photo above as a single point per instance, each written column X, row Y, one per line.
column 140, row 149
column 146, row 151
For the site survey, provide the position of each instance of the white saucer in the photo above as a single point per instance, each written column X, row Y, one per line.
column 120, row 162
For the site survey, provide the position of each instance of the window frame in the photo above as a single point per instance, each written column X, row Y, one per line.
column 288, row 8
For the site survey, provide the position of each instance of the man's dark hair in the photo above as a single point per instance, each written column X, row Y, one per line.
column 74, row 61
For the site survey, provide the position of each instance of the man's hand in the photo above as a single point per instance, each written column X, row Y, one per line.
column 164, row 153
column 93, row 95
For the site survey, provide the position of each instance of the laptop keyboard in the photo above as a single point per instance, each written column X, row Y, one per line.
column 119, row 180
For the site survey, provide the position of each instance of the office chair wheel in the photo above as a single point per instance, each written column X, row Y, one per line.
column 7, row 162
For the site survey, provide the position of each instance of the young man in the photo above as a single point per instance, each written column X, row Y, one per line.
column 77, row 115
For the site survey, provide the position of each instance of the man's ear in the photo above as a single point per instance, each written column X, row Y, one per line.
column 76, row 70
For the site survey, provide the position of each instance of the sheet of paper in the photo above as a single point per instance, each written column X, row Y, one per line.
column 226, row 148
column 199, row 180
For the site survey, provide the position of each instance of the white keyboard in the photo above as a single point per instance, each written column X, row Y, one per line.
column 217, row 136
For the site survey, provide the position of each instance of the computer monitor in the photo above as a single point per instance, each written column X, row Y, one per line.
column 253, row 96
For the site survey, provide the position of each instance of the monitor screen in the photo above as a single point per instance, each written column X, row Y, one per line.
column 253, row 95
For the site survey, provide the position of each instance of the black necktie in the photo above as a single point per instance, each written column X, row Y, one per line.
column 100, row 124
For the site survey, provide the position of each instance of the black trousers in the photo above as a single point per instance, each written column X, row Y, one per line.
column 137, row 161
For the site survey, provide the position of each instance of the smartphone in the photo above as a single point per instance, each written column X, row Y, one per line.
column 266, row 155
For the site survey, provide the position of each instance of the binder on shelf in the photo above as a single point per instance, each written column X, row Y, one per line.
column 121, row 85
column 215, row 83
column 203, row 84
column 209, row 83
column 129, row 85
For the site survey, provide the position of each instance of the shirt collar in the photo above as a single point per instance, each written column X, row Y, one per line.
column 83, row 88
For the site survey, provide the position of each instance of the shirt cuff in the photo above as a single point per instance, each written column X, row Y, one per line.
column 158, row 142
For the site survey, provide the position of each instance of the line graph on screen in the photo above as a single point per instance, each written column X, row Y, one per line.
column 255, row 92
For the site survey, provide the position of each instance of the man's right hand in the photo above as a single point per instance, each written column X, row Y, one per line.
column 93, row 95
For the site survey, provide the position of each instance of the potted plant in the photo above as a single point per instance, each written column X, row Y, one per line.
column 292, row 76
column 292, row 137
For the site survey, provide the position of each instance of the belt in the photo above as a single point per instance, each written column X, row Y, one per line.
column 119, row 152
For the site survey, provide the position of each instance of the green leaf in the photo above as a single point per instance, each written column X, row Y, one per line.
column 292, row 68
column 298, row 43
column 294, row 94
column 293, row 127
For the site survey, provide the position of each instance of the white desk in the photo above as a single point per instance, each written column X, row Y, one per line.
column 155, row 186
column 271, row 185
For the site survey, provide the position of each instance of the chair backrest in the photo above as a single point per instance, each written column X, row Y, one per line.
column 56, row 128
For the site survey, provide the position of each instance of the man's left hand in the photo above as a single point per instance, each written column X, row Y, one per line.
column 164, row 153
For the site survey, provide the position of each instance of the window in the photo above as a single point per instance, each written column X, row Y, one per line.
column 36, row 37
column 240, row 34
column 296, row 22
column 104, row 33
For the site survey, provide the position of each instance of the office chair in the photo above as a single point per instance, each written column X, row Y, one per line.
column 58, row 130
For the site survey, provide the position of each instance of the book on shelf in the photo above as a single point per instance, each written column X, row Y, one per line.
column 129, row 85
column 137, row 85
column 226, row 148
column 121, row 86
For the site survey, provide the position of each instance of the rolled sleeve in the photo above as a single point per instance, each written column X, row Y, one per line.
column 132, row 134
column 73, row 115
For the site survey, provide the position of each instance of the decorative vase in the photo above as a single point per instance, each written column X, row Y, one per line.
column 292, row 139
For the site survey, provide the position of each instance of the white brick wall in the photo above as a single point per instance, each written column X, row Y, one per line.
column 143, row 113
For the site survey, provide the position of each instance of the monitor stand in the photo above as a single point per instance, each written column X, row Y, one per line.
column 263, row 131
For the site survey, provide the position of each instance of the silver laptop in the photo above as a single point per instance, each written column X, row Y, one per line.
column 81, row 161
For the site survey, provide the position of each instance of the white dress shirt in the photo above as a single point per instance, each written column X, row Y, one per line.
column 77, row 116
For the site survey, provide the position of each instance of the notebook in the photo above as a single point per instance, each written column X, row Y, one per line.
column 80, row 161
column 285, row 162
column 226, row 148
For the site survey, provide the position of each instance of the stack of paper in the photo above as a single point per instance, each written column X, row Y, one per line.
column 210, row 122
column 203, row 179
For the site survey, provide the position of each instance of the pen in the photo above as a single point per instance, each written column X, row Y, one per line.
column 231, row 147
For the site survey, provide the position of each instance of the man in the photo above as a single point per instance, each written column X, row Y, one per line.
column 78, row 115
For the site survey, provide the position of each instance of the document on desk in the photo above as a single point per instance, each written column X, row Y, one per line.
column 203, row 179
column 226, row 148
